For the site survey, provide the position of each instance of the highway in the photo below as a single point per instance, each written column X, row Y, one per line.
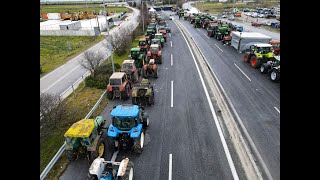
column 182, row 133
column 60, row 79
column 255, row 98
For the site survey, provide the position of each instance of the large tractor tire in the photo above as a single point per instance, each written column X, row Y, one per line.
column 109, row 95
column 71, row 155
column 134, row 101
column 125, row 94
column 129, row 172
column 264, row 68
column 246, row 57
column 275, row 75
column 91, row 177
column 138, row 144
column 145, row 124
column 255, row 62
column 99, row 151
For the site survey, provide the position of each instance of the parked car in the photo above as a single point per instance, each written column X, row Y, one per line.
column 261, row 15
column 224, row 16
column 270, row 16
column 254, row 15
column 246, row 10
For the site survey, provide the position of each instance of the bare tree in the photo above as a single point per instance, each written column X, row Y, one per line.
column 119, row 40
column 91, row 61
column 52, row 110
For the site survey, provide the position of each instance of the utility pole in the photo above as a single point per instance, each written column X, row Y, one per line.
column 105, row 15
column 142, row 15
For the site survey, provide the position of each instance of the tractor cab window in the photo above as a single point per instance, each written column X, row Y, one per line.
column 142, row 43
column 276, row 45
column 154, row 49
column 264, row 50
column 115, row 82
column 124, row 124
column 127, row 66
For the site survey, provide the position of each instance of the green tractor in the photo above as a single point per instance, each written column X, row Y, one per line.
column 272, row 68
column 197, row 22
column 85, row 137
column 143, row 94
column 258, row 54
column 221, row 31
column 149, row 34
column 160, row 36
column 138, row 55
column 211, row 29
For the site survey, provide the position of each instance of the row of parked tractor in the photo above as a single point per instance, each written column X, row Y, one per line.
column 259, row 50
column 92, row 137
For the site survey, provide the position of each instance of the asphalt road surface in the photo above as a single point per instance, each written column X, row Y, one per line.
column 181, row 124
column 59, row 80
column 255, row 98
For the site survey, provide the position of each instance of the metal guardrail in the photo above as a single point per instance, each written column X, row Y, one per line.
column 61, row 150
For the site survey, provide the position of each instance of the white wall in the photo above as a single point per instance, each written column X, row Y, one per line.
column 68, row 33
column 53, row 16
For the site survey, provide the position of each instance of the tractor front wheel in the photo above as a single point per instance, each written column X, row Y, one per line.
column 138, row 144
column 99, row 151
column 264, row 68
column 255, row 62
column 134, row 100
column 129, row 172
column 246, row 58
column 92, row 177
column 71, row 155
column 275, row 75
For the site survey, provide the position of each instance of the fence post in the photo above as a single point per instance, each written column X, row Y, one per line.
column 73, row 91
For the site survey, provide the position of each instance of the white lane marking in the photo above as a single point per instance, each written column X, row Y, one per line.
column 170, row 167
column 218, row 48
column 60, row 79
column 223, row 141
column 198, row 30
column 170, row 34
column 256, row 89
column 114, row 156
column 242, row 72
column 206, row 36
column 171, row 93
column 171, row 60
column 171, row 43
column 277, row 109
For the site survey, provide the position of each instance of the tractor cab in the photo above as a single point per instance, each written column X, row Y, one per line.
column 143, row 45
column 154, row 53
column 138, row 55
column 85, row 135
column 156, row 41
column 160, row 36
column 276, row 46
column 262, row 48
column 149, row 34
column 258, row 54
column 119, row 86
column 127, row 128
column 129, row 67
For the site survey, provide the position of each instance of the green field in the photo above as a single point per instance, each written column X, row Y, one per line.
column 81, row 7
column 57, row 50
column 218, row 8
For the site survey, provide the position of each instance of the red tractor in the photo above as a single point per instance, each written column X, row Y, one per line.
column 154, row 53
column 119, row 86
column 275, row 46
column 150, row 69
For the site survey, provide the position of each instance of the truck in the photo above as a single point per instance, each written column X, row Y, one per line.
column 240, row 39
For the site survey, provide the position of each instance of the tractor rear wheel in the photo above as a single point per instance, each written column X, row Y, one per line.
column 264, row 68
column 129, row 172
column 255, row 62
column 156, row 73
column 99, row 151
column 71, row 155
column 275, row 75
column 138, row 144
column 110, row 95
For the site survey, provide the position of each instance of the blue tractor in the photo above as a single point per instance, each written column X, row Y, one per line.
column 129, row 123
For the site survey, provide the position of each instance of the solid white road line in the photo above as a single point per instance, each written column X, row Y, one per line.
column 206, row 36
column 242, row 72
column 60, row 79
column 171, row 43
column 198, row 30
column 171, row 60
column 218, row 48
column 277, row 109
column 170, row 167
column 223, row 141
column 170, row 34
column 171, row 93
